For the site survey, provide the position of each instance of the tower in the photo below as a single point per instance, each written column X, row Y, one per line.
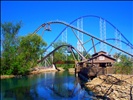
column 117, row 39
column 64, row 40
column 64, row 36
column 80, row 35
column 103, row 34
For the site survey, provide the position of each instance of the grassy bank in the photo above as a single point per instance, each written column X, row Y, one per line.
column 37, row 71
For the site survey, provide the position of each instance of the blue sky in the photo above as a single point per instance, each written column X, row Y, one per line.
column 35, row 13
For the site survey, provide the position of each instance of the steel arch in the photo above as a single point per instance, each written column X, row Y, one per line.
column 63, row 23
column 59, row 48
column 85, row 17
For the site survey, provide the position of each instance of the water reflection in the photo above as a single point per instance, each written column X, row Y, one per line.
column 46, row 86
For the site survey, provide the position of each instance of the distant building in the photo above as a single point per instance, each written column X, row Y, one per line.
column 101, row 59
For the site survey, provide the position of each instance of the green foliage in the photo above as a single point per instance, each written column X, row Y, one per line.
column 61, row 50
column 19, row 54
column 125, row 64
column 60, row 55
column 9, row 46
column 29, row 50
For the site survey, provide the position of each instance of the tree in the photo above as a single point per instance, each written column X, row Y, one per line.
column 9, row 45
column 29, row 51
column 19, row 54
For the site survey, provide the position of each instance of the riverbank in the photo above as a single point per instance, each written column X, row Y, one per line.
column 6, row 76
column 36, row 70
column 115, row 87
column 41, row 70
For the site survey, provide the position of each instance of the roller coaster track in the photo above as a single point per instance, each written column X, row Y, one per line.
column 71, row 26
column 111, row 39
column 70, row 46
column 43, row 25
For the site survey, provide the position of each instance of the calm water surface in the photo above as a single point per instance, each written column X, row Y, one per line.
column 46, row 86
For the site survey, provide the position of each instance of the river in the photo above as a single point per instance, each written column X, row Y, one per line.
column 45, row 86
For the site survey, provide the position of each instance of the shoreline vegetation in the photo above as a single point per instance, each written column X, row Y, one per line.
column 38, row 70
column 35, row 71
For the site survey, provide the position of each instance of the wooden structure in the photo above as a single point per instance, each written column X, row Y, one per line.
column 101, row 59
column 100, row 63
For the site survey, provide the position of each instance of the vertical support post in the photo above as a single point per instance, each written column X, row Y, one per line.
column 110, row 50
column 117, row 39
column 103, row 34
column 64, row 40
column 76, row 70
column 73, row 54
column 45, row 62
column 52, row 58
column 80, row 35
column 93, row 46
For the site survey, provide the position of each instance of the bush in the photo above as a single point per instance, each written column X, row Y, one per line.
column 125, row 66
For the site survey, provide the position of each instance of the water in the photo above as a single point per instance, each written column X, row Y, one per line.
column 46, row 86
